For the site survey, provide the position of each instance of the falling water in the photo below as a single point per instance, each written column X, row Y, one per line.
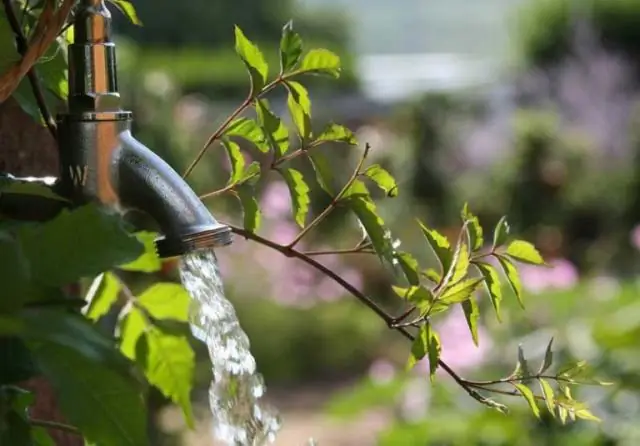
column 239, row 417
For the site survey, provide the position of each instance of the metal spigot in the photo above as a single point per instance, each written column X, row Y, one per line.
column 102, row 162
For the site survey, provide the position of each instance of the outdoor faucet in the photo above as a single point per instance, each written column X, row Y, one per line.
column 102, row 162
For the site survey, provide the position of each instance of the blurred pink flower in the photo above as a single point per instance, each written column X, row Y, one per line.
column 282, row 232
column 561, row 275
column 382, row 371
column 275, row 201
column 635, row 237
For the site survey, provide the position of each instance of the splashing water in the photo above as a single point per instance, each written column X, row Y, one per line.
column 239, row 417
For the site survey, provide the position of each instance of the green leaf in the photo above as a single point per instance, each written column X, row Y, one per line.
column 427, row 342
column 409, row 266
column 440, row 246
column 336, row 133
column 472, row 315
column 236, row 160
column 414, row 294
column 522, row 367
column 323, row 170
column 290, row 48
column 35, row 188
column 249, row 130
column 86, row 229
column 459, row 265
column 166, row 300
column 512, row 277
column 525, row 252
column 254, row 61
column 320, row 62
column 149, row 261
column 585, row 414
column 548, row 358
column 367, row 214
column 102, row 295
column 562, row 414
column 15, row 275
column 500, row 233
column 128, row 10
column 492, row 284
column 432, row 275
column 15, row 430
column 300, row 109
column 549, row 396
column 107, row 407
column 460, row 292
column 474, row 230
column 299, row 191
column 383, row 179
column 529, row 397
column 490, row 403
column 18, row 365
column 356, row 189
column 250, row 209
column 40, row 437
column 275, row 131
column 251, row 174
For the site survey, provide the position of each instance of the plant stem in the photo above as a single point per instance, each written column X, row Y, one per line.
column 36, row 87
column 339, row 251
column 55, row 425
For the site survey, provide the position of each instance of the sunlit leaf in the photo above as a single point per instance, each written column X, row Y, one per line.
column 128, row 10
column 321, row 62
column 254, row 61
column 149, row 261
column 300, row 109
column 356, row 189
column 290, row 48
column 249, row 130
column 383, row 179
column 549, row 396
column 34, row 188
column 489, row 402
column 432, row 275
column 250, row 208
column 426, row 342
column 585, row 414
column 409, row 266
column 323, row 170
column 275, row 131
column 500, row 233
column 440, row 246
column 492, row 284
column 251, row 174
column 472, row 315
column 548, row 358
column 460, row 291
column 523, row 251
column 102, row 295
column 562, row 414
column 529, row 398
column 236, row 160
column 166, row 300
column 474, row 230
column 459, row 265
column 512, row 277
column 365, row 210
column 414, row 294
column 522, row 367
column 336, row 133
column 299, row 191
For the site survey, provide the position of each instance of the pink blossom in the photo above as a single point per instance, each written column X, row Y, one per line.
column 635, row 237
column 275, row 201
column 561, row 275
column 282, row 232
column 382, row 371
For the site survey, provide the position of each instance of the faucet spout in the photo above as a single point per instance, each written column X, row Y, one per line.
column 101, row 161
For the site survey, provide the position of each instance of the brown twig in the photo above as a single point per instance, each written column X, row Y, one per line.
column 54, row 425
column 36, row 87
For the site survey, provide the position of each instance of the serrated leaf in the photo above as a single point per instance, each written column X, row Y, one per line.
column 102, row 295
column 367, row 214
column 128, row 10
column 529, row 398
column 440, row 246
column 254, row 61
column 525, row 252
column 548, row 358
column 250, row 208
column 585, row 414
column 549, row 396
column 299, row 191
column 107, row 407
column 275, row 131
column 426, row 342
column 409, row 266
column 323, row 170
column 290, row 48
column 432, row 275
column 249, row 130
column 414, row 294
column 320, row 62
column 166, row 300
column 236, row 160
column 512, row 277
column 492, row 284
column 168, row 364
column 356, row 189
column 459, row 265
column 336, row 133
column 383, row 179
column 500, row 233
column 522, row 367
column 299, row 106
column 474, row 230
column 149, row 261
column 87, row 229
column 251, row 174
column 472, row 315
column 460, row 292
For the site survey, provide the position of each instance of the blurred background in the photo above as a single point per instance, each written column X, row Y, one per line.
column 528, row 108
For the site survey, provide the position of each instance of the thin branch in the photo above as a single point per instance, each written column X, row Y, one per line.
column 36, row 87
column 339, row 252
column 55, row 425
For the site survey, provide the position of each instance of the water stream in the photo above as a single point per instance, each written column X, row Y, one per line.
column 240, row 417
